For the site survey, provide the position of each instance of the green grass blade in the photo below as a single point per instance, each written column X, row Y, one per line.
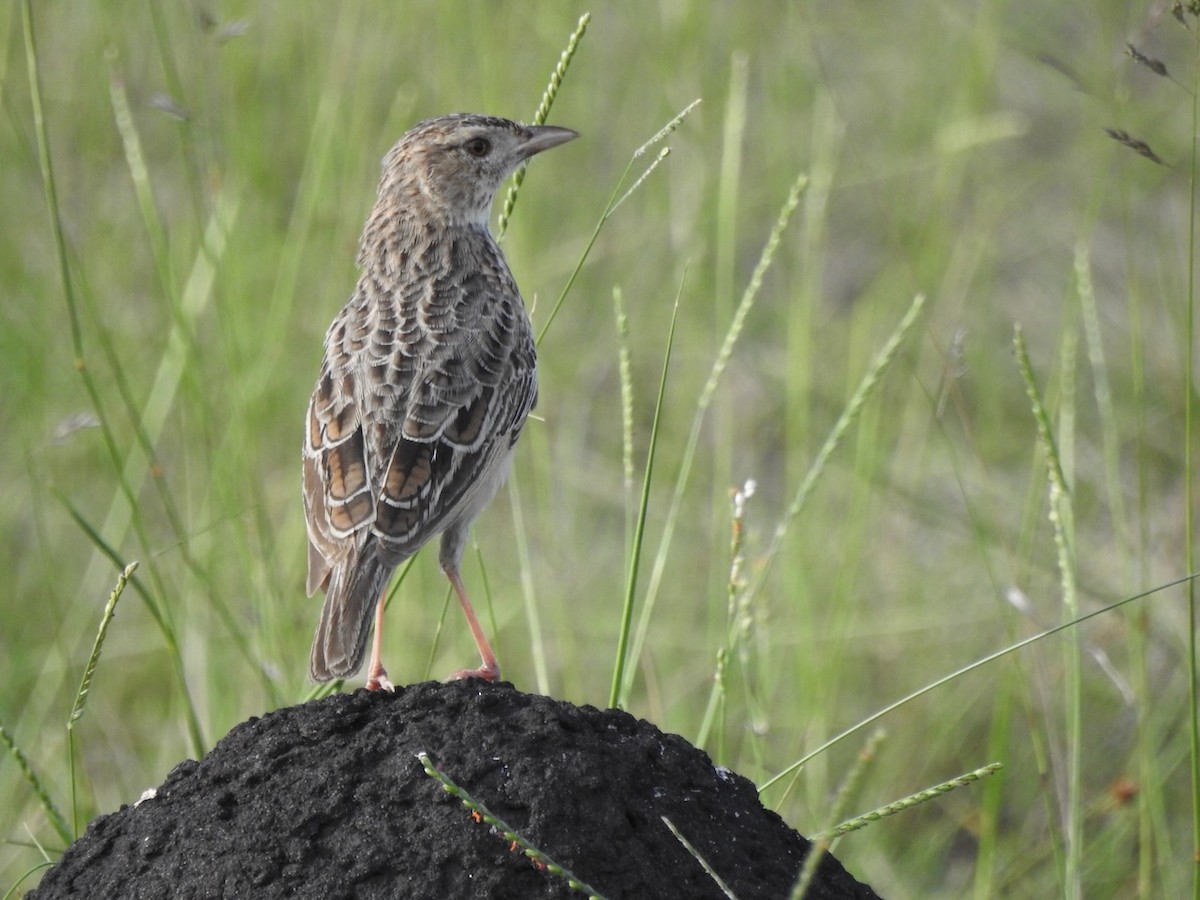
column 725, row 449
column 85, row 683
column 625, row 373
column 615, row 199
column 1062, row 521
column 539, row 117
column 506, row 831
column 190, row 142
column 185, row 314
column 12, row 891
column 49, row 187
column 50, row 193
column 906, row 803
column 824, row 842
column 139, row 174
column 57, row 821
column 866, row 387
column 1110, row 431
column 799, row 764
column 166, row 629
column 695, row 854
column 749, row 296
column 1189, row 457
column 537, row 640
column 616, row 695
column 737, row 618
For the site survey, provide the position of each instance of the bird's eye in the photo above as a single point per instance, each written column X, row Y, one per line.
column 479, row 146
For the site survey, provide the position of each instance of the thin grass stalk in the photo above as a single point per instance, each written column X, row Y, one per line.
column 184, row 315
column 150, row 420
column 539, row 117
column 49, row 189
column 1036, row 705
column 1062, row 521
column 85, row 683
column 850, row 784
column 177, row 92
column 1110, row 432
column 662, row 155
column 50, row 192
column 537, row 638
column 813, row 253
column 139, row 174
column 723, row 449
column 741, row 621
column 506, row 831
column 1123, row 525
column 983, row 526
column 799, row 764
column 182, row 330
column 695, row 854
column 170, row 639
column 616, row 198
column 447, row 596
column 325, row 132
column 173, row 369
column 824, row 842
column 866, row 387
column 615, row 696
column 52, row 206
column 613, row 202
column 150, row 417
column 728, row 183
column 625, row 371
column 57, row 821
column 906, row 803
column 125, row 394
column 1150, row 799
column 720, row 363
column 1189, row 475
column 12, row 891
column 988, row 855
column 736, row 619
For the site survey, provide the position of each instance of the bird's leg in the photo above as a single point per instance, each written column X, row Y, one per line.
column 490, row 669
column 377, row 676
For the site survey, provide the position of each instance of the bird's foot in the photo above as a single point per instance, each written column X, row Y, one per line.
column 378, row 680
column 489, row 672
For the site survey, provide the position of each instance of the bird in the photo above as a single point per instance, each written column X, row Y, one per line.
column 428, row 375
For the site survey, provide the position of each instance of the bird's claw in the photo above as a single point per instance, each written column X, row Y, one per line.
column 488, row 673
column 378, row 681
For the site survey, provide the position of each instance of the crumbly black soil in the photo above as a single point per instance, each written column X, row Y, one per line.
column 328, row 800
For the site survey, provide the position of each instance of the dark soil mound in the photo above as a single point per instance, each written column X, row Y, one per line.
column 328, row 800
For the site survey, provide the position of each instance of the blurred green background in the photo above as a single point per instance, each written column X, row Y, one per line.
column 214, row 162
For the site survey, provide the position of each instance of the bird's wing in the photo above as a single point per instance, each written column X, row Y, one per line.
column 413, row 410
column 465, row 406
column 339, row 501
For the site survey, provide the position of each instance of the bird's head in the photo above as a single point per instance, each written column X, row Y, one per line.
column 451, row 167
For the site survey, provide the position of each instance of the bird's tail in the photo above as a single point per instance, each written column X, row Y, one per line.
column 355, row 586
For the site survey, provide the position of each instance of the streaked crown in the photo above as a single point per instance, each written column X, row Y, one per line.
column 451, row 167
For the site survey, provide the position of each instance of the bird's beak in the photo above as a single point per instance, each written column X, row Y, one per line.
column 543, row 137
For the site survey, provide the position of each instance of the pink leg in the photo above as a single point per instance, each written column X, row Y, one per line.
column 490, row 669
column 377, row 677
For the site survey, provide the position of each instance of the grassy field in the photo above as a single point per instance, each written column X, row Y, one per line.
column 212, row 165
